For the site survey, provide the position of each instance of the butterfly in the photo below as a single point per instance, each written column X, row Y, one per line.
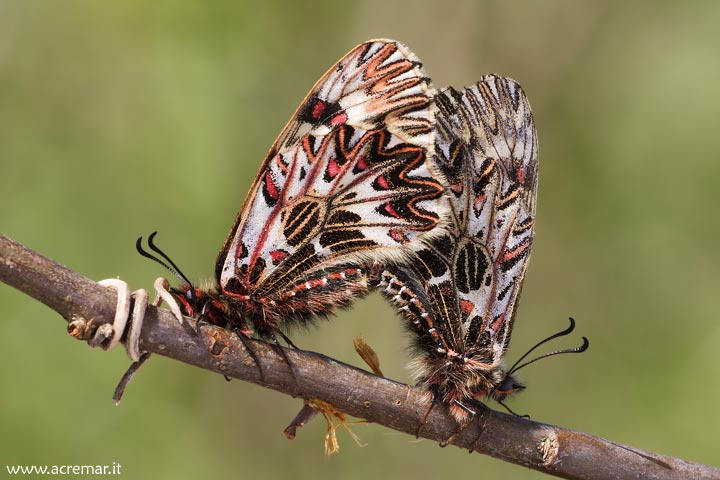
column 348, row 182
column 378, row 181
column 459, row 291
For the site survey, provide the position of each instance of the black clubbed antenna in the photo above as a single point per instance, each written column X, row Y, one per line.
column 567, row 331
column 170, row 265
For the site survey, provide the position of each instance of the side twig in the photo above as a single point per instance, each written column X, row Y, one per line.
column 546, row 448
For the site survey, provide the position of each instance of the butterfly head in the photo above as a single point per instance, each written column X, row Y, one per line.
column 506, row 387
column 205, row 302
column 482, row 380
column 188, row 298
column 193, row 301
column 494, row 383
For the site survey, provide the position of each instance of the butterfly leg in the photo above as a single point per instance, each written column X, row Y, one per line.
column 424, row 418
column 512, row 412
column 281, row 351
column 163, row 294
column 461, row 425
column 251, row 351
column 481, row 430
column 287, row 340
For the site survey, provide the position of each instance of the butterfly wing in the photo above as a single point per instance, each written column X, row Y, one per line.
column 347, row 179
column 498, row 132
column 466, row 283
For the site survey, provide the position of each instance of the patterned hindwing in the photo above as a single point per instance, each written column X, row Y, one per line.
column 488, row 132
column 348, row 179
column 423, row 290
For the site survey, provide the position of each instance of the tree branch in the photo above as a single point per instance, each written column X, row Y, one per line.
column 546, row 448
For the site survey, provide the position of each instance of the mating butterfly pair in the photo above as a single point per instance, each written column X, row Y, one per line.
column 379, row 181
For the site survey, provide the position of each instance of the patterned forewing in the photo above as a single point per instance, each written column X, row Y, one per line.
column 468, row 279
column 378, row 84
column 500, row 145
column 348, row 174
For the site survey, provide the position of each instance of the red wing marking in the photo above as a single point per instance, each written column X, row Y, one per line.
column 333, row 168
column 466, row 307
column 512, row 254
column 382, row 182
column 399, row 236
column 390, row 210
column 278, row 256
column 339, row 119
column 318, row 109
column 270, row 186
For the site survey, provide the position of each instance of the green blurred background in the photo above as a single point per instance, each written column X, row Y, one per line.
column 120, row 118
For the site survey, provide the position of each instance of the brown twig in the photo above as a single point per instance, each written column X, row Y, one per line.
column 546, row 448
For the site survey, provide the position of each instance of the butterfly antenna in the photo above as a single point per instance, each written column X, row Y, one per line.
column 172, row 268
column 580, row 349
column 562, row 333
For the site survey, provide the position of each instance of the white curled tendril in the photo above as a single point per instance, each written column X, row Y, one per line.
column 122, row 315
